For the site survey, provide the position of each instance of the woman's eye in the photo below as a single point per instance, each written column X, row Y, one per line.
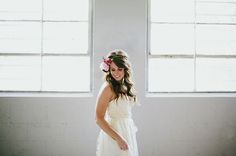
column 120, row 69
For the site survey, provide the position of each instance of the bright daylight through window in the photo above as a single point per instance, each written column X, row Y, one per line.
column 44, row 45
column 192, row 46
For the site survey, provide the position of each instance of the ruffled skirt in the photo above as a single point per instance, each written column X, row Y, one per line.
column 106, row 146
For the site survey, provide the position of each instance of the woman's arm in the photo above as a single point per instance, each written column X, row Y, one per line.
column 103, row 100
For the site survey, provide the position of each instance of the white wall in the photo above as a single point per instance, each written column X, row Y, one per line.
column 181, row 126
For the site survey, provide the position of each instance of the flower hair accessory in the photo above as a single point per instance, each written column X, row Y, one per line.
column 105, row 65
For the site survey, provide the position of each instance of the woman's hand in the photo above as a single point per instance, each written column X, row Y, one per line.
column 122, row 144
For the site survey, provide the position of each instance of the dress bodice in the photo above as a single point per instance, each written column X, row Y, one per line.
column 120, row 108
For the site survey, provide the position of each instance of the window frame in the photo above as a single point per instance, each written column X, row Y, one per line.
column 13, row 93
column 194, row 56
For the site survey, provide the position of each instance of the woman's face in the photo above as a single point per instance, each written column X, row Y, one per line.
column 116, row 72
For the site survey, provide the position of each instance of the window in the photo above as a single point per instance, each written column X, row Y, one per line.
column 191, row 46
column 45, row 46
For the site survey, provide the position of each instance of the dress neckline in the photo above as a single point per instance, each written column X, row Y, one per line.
column 125, row 98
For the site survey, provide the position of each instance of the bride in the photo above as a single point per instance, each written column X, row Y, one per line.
column 113, row 108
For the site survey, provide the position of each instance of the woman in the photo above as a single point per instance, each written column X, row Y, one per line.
column 113, row 108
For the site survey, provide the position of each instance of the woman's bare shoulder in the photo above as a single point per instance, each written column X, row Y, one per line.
column 106, row 90
column 106, row 87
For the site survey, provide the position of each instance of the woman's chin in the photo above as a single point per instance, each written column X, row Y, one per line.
column 118, row 79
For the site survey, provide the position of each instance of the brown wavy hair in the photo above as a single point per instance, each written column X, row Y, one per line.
column 125, row 87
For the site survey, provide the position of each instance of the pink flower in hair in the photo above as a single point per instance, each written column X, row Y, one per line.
column 105, row 65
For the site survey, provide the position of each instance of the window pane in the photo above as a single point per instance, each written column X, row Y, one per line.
column 66, row 9
column 172, row 39
column 20, row 9
column 170, row 75
column 18, row 37
column 216, row 39
column 66, row 73
column 19, row 73
column 216, row 74
column 66, row 37
column 172, row 11
column 216, row 12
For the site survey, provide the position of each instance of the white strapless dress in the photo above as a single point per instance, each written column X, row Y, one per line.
column 119, row 117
